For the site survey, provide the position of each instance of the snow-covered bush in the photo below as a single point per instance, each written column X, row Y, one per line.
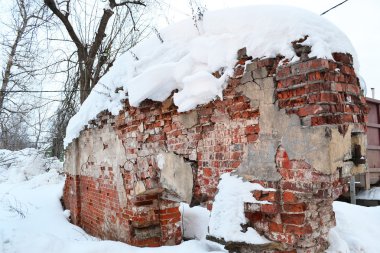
column 23, row 165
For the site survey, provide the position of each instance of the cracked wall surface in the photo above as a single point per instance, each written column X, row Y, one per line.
column 294, row 127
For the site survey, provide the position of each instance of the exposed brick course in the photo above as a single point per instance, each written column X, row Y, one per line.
column 325, row 91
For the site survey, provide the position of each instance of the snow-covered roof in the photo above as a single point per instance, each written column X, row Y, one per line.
column 188, row 56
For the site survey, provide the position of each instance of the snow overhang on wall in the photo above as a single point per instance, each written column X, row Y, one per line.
column 187, row 58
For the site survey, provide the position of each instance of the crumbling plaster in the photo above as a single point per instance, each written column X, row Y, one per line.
column 176, row 176
column 100, row 147
column 323, row 147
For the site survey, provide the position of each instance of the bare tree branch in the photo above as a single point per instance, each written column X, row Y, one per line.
column 323, row 13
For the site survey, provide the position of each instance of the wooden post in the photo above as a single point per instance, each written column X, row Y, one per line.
column 352, row 190
column 367, row 179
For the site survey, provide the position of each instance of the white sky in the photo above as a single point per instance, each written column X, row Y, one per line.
column 359, row 19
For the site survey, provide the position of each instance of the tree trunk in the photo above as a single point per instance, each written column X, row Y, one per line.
column 7, row 72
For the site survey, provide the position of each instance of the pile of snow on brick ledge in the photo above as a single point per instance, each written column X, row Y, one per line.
column 227, row 213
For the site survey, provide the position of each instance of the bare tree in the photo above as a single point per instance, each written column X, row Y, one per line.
column 97, row 34
column 339, row 4
column 98, row 39
column 19, row 46
column 67, row 108
column 13, row 132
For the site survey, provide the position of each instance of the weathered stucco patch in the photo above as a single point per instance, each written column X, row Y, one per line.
column 99, row 147
column 188, row 119
column 176, row 176
column 323, row 147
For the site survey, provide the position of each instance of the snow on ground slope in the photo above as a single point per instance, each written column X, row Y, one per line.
column 32, row 219
column 22, row 165
column 357, row 230
column 195, row 221
column 188, row 56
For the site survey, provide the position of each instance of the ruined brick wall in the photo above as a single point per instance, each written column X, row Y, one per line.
column 322, row 92
column 104, row 199
column 210, row 140
column 289, row 127
column 325, row 95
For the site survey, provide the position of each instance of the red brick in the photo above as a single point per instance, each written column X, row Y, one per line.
column 168, row 216
column 309, row 110
column 275, row 227
column 319, row 64
column 207, row 172
column 319, row 120
column 169, row 210
column 269, row 208
column 301, row 207
column 314, row 76
column 206, row 182
column 241, row 106
column 286, row 173
column 257, row 194
column 216, row 164
column 252, row 138
column 347, row 118
column 265, row 62
column 298, row 230
column 295, row 219
column 267, row 196
column 283, row 72
column 253, row 129
column 254, row 217
column 151, row 242
column 235, row 164
column 343, row 57
column 236, row 155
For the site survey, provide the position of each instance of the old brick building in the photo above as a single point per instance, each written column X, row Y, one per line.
column 298, row 128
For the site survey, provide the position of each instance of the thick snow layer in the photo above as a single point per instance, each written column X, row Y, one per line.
column 194, row 221
column 357, row 229
column 227, row 214
column 187, row 58
column 371, row 194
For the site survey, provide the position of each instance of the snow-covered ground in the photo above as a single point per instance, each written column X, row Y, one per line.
column 357, row 230
column 32, row 218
